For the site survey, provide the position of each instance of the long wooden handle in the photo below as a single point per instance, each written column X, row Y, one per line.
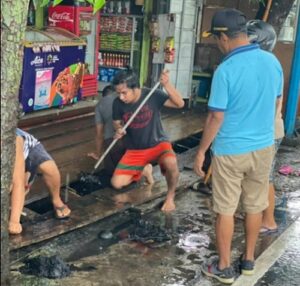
column 207, row 176
column 112, row 144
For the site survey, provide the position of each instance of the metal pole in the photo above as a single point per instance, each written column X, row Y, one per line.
column 132, row 40
column 294, row 90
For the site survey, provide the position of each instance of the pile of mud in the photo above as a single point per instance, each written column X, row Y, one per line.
column 88, row 183
column 146, row 232
column 49, row 267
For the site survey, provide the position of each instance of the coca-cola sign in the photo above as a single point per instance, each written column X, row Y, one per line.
column 64, row 16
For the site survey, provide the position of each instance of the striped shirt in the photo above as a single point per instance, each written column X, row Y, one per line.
column 29, row 141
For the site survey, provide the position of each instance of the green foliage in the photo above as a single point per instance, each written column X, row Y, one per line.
column 56, row 2
column 40, row 3
column 97, row 4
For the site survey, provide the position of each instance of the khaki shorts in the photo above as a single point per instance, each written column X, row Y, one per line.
column 244, row 177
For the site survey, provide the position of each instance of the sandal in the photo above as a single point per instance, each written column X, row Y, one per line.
column 266, row 230
column 201, row 188
column 59, row 212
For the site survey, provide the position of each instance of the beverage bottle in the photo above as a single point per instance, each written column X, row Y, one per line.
column 104, row 59
column 118, row 61
column 100, row 59
column 31, row 14
column 113, row 60
column 109, row 61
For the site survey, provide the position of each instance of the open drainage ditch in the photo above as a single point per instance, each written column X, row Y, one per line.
column 87, row 183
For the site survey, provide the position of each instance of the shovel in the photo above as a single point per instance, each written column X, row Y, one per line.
column 112, row 144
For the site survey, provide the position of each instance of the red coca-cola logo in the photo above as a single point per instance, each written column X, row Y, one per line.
column 64, row 16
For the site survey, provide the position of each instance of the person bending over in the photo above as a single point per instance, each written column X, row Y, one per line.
column 31, row 157
column 105, row 132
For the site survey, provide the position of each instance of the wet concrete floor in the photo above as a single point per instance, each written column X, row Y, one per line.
column 114, row 259
column 40, row 224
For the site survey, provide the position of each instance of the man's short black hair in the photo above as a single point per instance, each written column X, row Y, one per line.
column 107, row 90
column 127, row 77
column 232, row 35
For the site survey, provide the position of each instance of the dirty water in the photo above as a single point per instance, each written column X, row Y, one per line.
column 88, row 182
column 103, row 253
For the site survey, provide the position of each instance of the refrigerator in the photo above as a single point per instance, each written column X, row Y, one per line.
column 82, row 22
column 53, row 69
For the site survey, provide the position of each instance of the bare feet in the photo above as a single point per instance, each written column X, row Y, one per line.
column 147, row 173
column 93, row 155
column 168, row 205
column 14, row 227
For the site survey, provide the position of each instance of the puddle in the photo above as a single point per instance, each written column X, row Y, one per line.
column 191, row 242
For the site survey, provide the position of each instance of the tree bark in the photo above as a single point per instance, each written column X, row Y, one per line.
column 13, row 24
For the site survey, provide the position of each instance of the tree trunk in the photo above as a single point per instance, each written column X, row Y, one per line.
column 13, row 24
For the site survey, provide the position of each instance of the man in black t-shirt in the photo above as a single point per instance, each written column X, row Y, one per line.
column 145, row 138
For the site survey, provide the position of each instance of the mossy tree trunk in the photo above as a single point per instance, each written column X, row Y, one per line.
column 13, row 24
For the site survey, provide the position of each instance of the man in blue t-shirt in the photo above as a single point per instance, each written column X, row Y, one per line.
column 240, row 126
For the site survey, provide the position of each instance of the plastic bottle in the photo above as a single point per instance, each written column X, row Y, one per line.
column 31, row 14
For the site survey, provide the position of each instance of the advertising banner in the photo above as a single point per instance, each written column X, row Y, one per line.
column 52, row 78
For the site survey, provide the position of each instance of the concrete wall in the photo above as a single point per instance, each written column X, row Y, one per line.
column 181, row 70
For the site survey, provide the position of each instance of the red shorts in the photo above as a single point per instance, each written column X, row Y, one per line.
column 134, row 161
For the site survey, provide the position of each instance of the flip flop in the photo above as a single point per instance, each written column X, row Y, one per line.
column 61, row 209
column 266, row 230
column 201, row 188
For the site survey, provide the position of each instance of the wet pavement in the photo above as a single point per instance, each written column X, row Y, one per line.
column 105, row 254
column 88, row 206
